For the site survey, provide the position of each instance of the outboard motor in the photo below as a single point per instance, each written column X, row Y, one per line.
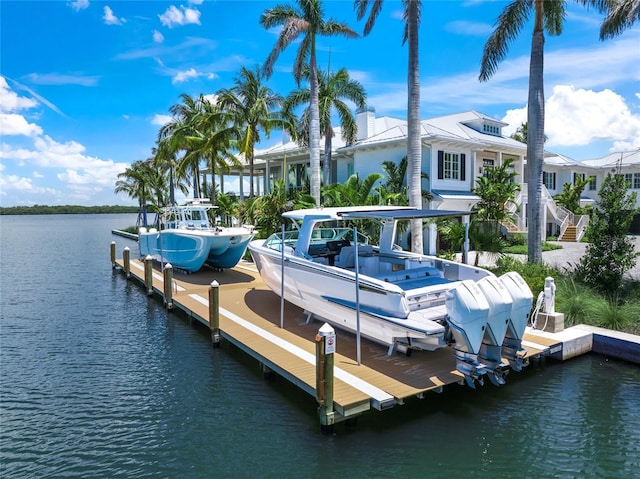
column 467, row 313
column 500, row 306
column 522, row 298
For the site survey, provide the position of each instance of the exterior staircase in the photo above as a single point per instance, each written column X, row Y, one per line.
column 510, row 227
column 570, row 234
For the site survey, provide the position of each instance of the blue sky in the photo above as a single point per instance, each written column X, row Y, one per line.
column 85, row 85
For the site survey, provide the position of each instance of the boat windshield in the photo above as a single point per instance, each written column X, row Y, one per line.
column 275, row 240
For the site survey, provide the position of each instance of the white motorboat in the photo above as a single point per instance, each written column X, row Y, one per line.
column 394, row 297
column 188, row 239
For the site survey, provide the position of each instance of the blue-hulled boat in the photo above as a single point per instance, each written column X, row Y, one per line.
column 188, row 238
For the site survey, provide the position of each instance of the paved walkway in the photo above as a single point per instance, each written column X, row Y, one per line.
column 564, row 259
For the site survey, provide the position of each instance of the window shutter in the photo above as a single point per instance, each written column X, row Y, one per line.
column 440, row 164
column 463, row 167
column 554, row 181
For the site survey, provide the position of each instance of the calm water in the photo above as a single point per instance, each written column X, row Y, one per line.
column 96, row 380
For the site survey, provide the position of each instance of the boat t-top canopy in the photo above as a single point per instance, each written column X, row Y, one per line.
column 402, row 214
column 338, row 212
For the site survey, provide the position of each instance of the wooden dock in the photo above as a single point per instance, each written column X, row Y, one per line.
column 249, row 318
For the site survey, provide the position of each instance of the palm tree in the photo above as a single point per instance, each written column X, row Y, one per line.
column 305, row 19
column 622, row 14
column 164, row 159
column 138, row 181
column 394, row 190
column 332, row 89
column 251, row 105
column 412, row 10
column 203, row 131
column 548, row 16
column 354, row 192
column 496, row 190
column 215, row 136
column 177, row 133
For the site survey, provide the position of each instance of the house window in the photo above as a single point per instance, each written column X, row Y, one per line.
column 487, row 166
column 549, row 180
column 593, row 184
column 451, row 165
column 633, row 180
column 494, row 130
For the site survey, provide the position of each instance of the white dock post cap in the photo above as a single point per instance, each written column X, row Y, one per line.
column 126, row 248
column 168, row 265
column 214, row 284
column 326, row 330
column 148, row 258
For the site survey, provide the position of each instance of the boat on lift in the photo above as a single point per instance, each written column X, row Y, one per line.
column 397, row 298
column 188, row 238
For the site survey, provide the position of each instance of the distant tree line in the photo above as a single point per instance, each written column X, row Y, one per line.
column 65, row 210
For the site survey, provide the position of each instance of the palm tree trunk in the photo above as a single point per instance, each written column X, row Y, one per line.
column 414, row 149
column 213, row 182
column 314, row 128
column 535, row 139
column 172, row 191
column 326, row 165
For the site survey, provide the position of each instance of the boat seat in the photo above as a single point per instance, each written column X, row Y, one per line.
column 346, row 258
column 410, row 274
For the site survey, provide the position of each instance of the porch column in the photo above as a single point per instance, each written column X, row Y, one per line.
column 267, row 175
column 433, row 239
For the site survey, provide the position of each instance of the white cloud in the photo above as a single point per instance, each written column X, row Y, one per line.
column 110, row 19
column 161, row 120
column 12, row 124
column 158, row 37
column 14, row 183
column 10, row 101
column 7, row 94
column 184, row 76
column 190, row 74
column 577, row 117
column 79, row 5
column 60, row 79
column 173, row 17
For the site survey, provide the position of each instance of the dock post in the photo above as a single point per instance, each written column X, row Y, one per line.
column 168, row 283
column 214, row 313
column 126, row 260
column 148, row 274
column 113, row 254
column 325, row 349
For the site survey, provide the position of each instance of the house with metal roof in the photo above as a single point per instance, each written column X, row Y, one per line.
column 456, row 150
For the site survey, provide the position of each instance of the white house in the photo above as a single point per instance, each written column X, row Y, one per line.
column 456, row 150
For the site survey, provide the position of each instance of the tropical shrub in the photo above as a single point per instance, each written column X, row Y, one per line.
column 611, row 253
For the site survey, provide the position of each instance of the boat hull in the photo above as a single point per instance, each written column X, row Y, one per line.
column 190, row 249
column 328, row 293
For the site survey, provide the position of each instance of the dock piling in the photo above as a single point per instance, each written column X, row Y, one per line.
column 113, row 254
column 168, row 283
column 214, row 313
column 325, row 349
column 126, row 260
column 148, row 274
